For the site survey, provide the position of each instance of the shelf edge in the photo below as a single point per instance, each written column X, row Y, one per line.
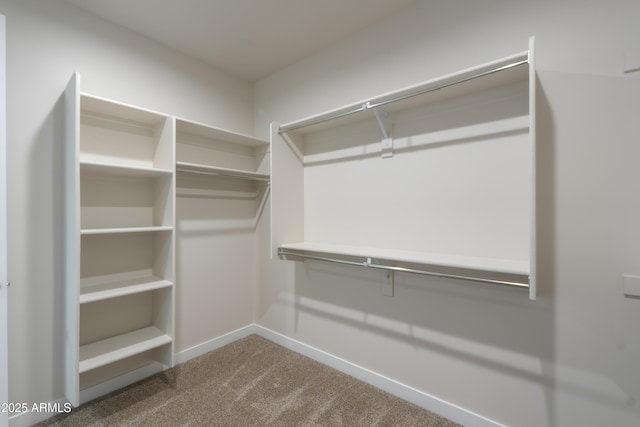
column 522, row 57
column 376, row 258
column 122, row 230
column 124, row 291
column 133, row 343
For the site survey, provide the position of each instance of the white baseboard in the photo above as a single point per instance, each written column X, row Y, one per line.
column 221, row 341
column 410, row 394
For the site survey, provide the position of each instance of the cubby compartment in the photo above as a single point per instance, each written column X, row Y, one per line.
column 146, row 362
column 122, row 200
column 218, row 164
column 125, row 263
column 116, row 329
column 119, row 134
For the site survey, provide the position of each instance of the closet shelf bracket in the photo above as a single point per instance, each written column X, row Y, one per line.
column 382, row 117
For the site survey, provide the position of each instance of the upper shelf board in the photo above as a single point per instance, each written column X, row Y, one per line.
column 122, row 230
column 482, row 269
column 94, row 105
column 501, row 72
column 122, row 170
column 216, row 134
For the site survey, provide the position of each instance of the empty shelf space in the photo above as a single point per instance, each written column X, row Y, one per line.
column 489, row 270
column 119, row 169
column 120, row 230
column 214, row 170
column 110, row 350
column 114, row 289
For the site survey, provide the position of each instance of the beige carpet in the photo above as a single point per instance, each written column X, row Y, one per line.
column 251, row 382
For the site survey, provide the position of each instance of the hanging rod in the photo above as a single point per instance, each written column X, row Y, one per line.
column 239, row 175
column 367, row 263
column 370, row 105
column 446, row 85
column 284, row 129
column 210, row 170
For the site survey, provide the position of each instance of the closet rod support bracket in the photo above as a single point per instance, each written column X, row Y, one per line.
column 382, row 117
column 388, row 284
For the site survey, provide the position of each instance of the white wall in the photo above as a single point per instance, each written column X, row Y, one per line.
column 568, row 358
column 46, row 42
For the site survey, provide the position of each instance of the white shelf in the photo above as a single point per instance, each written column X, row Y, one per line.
column 475, row 269
column 206, row 132
column 96, row 105
column 214, row 170
column 197, row 192
column 114, row 289
column 122, row 170
column 120, row 230
column 492, row 74
column 514, row 267
column 107, row 351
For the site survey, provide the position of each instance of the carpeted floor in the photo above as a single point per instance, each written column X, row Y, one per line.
column 251, row 382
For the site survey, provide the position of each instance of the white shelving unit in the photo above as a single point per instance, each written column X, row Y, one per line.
column 222, row 188
column 208, row 150
column 120, row 203
column 213, row 162
column 121, row 174
column 364, row 184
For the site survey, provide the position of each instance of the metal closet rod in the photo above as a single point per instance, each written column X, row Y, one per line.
column 238, row 175
column 369, row 105
column 369, row 264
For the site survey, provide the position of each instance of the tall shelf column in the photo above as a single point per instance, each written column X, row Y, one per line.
column 120, row 203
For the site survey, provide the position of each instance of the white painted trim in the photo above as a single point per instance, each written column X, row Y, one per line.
column 410, row 394
column 213, row 344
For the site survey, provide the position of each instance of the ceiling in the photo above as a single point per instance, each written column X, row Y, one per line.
column 247, row 38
